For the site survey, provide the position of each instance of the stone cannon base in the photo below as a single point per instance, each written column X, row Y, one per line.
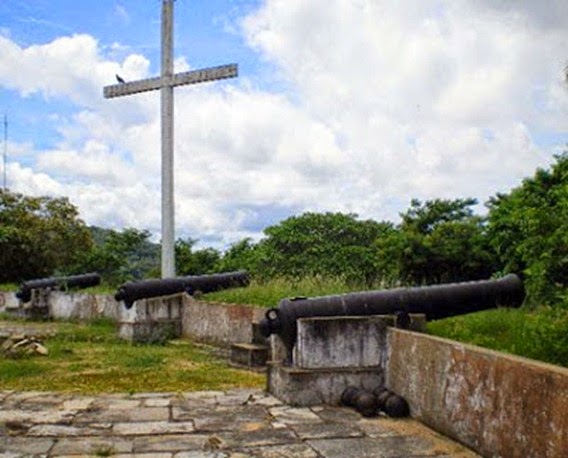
column 332, row 353
column 152, row 320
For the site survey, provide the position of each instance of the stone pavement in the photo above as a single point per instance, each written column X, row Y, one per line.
column 212, row 424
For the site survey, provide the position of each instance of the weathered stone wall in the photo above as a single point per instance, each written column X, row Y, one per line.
column 330, row 342
column 220, row 324
column 497, row 404
column 83, row 306
column 8, row 300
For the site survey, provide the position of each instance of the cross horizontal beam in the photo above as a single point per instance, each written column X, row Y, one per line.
column 179, row 79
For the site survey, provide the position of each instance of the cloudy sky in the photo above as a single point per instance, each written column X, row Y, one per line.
column 341, row 105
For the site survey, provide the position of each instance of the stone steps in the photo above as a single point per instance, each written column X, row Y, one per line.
column 249, row 354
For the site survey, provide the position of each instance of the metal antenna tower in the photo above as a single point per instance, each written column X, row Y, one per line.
column 5, row 147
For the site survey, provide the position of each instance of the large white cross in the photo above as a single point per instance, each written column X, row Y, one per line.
column 166, row 83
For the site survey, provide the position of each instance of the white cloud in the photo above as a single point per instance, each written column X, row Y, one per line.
column 413, row 88
column 391, row 101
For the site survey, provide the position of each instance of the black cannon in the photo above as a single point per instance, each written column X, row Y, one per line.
column 438, row 301
column 144, row 289
column 58, row 283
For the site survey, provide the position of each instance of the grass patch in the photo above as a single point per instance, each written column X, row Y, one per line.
column 103, row 288
column 89, row 358
column 14, row 371
column 269, row 293
column 8, row 287
column 541, row 333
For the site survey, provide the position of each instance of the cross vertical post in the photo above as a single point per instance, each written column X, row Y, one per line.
column 167, row 95
column 166, row 83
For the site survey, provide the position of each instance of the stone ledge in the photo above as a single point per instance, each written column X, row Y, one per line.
column 308, row 387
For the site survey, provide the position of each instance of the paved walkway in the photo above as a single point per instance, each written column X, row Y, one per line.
column 233, row 424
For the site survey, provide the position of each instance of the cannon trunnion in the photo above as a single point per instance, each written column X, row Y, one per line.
column 144, row 289
column 59, row 283
column 438, row 301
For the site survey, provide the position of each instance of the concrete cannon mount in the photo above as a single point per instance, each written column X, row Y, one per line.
column 331, row 353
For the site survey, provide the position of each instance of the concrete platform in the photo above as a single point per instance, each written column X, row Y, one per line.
column 232, row 424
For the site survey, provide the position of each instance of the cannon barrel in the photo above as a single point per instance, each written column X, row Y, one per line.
column 130, row 292
column 438, row 301
column 60, row 283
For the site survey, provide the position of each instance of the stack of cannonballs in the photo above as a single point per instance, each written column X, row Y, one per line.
column 372, row 403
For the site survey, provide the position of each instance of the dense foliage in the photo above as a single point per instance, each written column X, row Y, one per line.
column 120, row 256
column 326, row 244
column 194, row 262
column 38, row 236
column 438, row 241
column 529, row 230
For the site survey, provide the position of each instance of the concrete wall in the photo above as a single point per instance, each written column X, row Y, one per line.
column 497, row 404
column 81, row 306
column 220, row 324
column 339, row 342
column 8, row 300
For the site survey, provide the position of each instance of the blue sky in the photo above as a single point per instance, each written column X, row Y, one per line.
column 203, row 33
column 352, row 105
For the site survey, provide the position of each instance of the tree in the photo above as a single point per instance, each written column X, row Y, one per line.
column 425, row 217
column 326, row 244
column 39, row 236
column 529, row 230
column 438, row 241
column 241, row 255
column 121, row 256
column 195, row 262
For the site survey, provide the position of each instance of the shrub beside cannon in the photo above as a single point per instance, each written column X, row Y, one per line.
column 57, row 283
column 144, row 289
column 438, row 301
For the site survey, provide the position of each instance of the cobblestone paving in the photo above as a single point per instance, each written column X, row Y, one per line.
column 232, row 424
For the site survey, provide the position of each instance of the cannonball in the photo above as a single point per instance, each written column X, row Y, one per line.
column 396, row 406
column 379, row 389
column 348, row 396
column 366, row 404
column 382, row 398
